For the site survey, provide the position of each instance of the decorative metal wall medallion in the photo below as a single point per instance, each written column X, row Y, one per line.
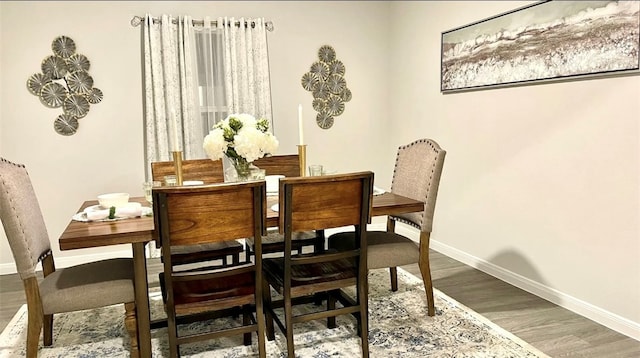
column 325, row 80
column 36, row 82
column 65, row 124
column 324, row 120
column 65, row 82
column 53, row 94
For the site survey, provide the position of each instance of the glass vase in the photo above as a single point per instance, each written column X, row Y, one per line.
column 243, row 169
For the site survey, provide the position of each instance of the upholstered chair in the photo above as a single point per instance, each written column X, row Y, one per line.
column 85, row 286
column 417, row 176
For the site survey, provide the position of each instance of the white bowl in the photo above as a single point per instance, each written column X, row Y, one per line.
column 113, row 199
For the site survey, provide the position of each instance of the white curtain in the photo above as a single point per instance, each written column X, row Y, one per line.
column 195, row 75
column 210, row 72
column 170, row 90
column 246, row 66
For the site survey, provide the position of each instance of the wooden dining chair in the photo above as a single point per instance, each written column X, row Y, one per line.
column 416, row 175
column 289, row 166
column 81, row 287
column 209, row 172
column 186, row 216
column 318, row 203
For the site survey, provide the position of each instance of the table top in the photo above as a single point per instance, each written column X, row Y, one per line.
column 79, row 235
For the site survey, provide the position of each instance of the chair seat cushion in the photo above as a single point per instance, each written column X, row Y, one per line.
column 384, row 249
column 86, row 286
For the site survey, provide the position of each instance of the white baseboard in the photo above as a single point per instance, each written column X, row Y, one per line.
column 585, row 309
column 61, row 262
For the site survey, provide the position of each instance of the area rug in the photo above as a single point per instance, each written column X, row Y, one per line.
column 398, row 327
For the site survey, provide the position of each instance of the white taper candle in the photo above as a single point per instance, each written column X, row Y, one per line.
column 300, row 131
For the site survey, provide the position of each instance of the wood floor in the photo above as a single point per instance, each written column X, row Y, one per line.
column 552, row 329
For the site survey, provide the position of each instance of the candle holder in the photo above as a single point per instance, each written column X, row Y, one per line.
column 302, row 157
column 177, row 164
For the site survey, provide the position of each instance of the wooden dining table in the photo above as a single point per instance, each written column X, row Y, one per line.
column 137, row 232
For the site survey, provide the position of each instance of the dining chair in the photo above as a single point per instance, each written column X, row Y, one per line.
column 209, row 172
column 86, row 286
column 289, row 166
column 416, row 175
column 318, row 203
column 196, row 215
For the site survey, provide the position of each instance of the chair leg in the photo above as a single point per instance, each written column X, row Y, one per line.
column 246, row 320
column 425, row 271
column 393, row 273
column 288, row 318
column 266, row 294
column 174, row 350
column 131, row 324
column 35, row 317
column 47, row 333
column 331, row 305
column 34, row 326
column 363, row 319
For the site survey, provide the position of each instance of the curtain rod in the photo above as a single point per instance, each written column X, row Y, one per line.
column 137, row 20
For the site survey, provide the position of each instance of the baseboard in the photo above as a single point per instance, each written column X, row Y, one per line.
column 61, row 262
column 585, row 309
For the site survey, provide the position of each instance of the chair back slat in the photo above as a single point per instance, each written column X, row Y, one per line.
column 287, row 165
column 324, row 205
column 207, row 170
column 205, row 214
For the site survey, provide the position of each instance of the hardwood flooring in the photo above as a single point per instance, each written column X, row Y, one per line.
column 554, row 330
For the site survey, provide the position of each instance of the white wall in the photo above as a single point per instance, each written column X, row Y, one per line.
column 541, row 183
column 106, row 154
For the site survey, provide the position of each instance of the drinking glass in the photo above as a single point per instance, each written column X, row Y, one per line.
column 315, row 170
column 147, row 187
column 170, row 180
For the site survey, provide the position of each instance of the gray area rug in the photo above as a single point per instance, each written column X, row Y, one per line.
column 398, row 327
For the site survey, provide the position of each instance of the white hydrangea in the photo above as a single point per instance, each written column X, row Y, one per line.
column 250, row 142
column 214, row 144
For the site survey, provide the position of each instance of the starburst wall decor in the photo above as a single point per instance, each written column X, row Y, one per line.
column 325, row 80
column 65, row 82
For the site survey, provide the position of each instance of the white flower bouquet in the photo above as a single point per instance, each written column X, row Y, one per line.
column 242, row 139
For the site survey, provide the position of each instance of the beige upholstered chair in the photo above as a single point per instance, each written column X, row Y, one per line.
column 81, row 287
column 417, row 176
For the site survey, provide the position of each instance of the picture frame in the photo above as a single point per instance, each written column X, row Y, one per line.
column 542, row 42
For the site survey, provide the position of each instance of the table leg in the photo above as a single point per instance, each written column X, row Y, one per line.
column 142, row 299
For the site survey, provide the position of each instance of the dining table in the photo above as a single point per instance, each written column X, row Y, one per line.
column 138, row 231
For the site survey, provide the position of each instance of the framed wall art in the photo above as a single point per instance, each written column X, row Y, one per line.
column 543, row 42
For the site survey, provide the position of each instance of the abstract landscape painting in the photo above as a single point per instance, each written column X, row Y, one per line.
column 549, row 40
